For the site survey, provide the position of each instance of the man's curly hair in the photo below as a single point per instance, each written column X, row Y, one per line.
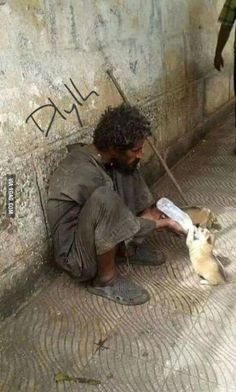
column 120, row 128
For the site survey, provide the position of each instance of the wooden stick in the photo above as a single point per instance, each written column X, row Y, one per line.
column 125, row 99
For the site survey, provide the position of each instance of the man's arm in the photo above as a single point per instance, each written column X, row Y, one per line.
column 162, row 222
column 227, row 19
column 221, row 42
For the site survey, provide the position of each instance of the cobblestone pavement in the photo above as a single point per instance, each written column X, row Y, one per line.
column 183, row 339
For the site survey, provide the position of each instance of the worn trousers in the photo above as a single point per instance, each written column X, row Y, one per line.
column 104, row 222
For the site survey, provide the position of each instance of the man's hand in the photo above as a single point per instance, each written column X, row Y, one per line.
column 151, row 213
column 223, row 37
column 162, row 221
column 176, row 227
column 218, row 61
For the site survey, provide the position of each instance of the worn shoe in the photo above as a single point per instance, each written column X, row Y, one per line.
column 123, row 291
column 145, row 256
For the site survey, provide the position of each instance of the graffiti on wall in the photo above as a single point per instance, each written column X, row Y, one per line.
column 79, row 101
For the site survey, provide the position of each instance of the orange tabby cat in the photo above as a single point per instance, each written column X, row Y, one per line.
column 200, row 243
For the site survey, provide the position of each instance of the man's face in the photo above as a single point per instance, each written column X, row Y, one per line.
column 127, row 161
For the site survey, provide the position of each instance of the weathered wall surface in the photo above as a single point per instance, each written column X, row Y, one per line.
column 54, row 56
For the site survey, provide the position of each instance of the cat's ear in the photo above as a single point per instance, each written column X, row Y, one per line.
column 210, row 239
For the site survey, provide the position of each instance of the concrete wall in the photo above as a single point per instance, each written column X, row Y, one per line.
column 54, row 54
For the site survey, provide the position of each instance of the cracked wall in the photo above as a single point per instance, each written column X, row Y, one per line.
column 54, row 86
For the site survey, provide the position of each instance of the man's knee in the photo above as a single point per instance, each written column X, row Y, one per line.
column 106, row 197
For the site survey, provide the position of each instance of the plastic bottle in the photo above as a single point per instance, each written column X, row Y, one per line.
column 172, row 211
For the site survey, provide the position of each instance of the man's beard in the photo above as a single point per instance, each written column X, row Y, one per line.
column 123, row 168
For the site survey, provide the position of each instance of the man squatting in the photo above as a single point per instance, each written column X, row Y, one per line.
column 98, row 201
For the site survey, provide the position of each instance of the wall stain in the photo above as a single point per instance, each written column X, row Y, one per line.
column 155, row 17
column 52, row 25
column 133, row 66
column 31, row 11
column 135, row 21
column 116, row 12
column 73, row 27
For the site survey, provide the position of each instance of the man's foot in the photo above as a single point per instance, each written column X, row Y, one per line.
column 122, row 291
column 145, row 256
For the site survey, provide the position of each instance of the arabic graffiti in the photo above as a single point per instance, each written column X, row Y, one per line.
column 55, row 110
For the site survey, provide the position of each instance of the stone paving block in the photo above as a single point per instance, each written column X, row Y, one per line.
column 150, row 332
column 167, row 283
column 220, row 306
column 64, row 320
column 127, row 373
column 181, row 382
column 209, row 353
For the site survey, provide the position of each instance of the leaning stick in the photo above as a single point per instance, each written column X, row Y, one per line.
column 125, row 99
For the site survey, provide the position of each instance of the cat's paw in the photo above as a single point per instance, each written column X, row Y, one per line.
column 204, row 281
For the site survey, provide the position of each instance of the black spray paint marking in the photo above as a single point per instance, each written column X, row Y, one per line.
column 55, row 110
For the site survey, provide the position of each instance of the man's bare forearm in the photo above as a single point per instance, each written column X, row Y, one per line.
column 222, row 38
